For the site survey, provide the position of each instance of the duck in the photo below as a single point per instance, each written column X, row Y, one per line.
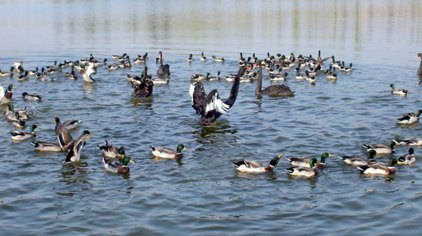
column 120, row 57
column 6, row 96
column 419, row 72
column 47, row 146
column 141, row 59
column 304, row 161
column 401, row 92
column 145, row 86
column 359, row 161
column 408, row 141
column 71, row 75
column 24, row 135
column 308, row 172
column 88, row 72
column 75, row 149
column 112, row 67
column 165, row 153
column 381, row 149
column 209, row 106
column 218, row 59
column 71, row 124
column 23, row 76
column 63, row 135
column 31, row 97
column 409, row 118
column 331, row 75
column 275, row 90
column 118, row 168
column 241, row 59
column 408, row 158
column 110, row 151
column 253, row 167
column 199, row 77
column 6, row 73
column 378, row 168
column 279, row 77
column 203, row 58
column 20, row 124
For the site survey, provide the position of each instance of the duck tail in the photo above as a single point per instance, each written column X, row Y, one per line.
column 35, row 144
column 367, row 146
column 238, row 163
column 290, row 169
column 362, row 168
column 152, row 147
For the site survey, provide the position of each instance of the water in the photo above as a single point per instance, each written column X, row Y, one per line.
column 203, row 194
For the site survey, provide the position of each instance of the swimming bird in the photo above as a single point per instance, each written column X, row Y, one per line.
column 359, row 161
column 110, row 151
column 209, row 106
column 304, row 161
column 6, row 96
column 378, row 168
column 275, row 90
column 408, row 158
column 141, row 59
column 409, row 118
column 408, row 141
column 18, row 67
column 74, row 154
column 31, row 97
column 381, row 149
column 190, row 58
column 88, row 72
column 307, row 172
column 46, row 147
column 166, row 153
column 23, row 135
column 6, row 73
column 120, row 167
column 214, row 77
column 120, row 57
column 199, row 77
column 163, row 70
column 63, row 135
column 218, row 59
column 145, row 87
column 254, row 167
column 401, row 92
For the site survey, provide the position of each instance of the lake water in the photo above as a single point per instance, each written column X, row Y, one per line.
column 204, row 195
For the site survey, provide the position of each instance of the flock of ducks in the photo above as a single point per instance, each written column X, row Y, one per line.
column 209, row 106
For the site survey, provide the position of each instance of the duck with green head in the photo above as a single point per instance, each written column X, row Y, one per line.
column 165, row 153
column 24, row 135
column 379, row 168
column 308, row 172
column 401, row 92
column 381, row 149
column 304, row 161
column 409, row 118
column 359, row 161
column 110, row 151
column 119, row 168
column 6, row 96
column 249, row 166
column 408, row 158
column 46, row 146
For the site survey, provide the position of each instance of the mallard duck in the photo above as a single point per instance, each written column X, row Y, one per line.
column 279, row 77
column 203, row 58
column 6, row 96
column 63, row 135
column 190, row 58
column 407, row 159
column 275, row 90
column 307, row 172
column 409, row 118
column 20, row 124
column 401, row 92
column 24, row 135
column 88, row 72
column 359, row 161
column 408, row 141
column 378, row 168
column 110, row 151
column 254, row 167
column 6, row 73
column 46, row 147
column 71, row 124
column 31, row 97
column 210, row 107
column 199, row 77
column 218, row 59
column 120, row 57
column 74, row 154
column 331, row 75
column 13, row 116
column 380, row 149
column 304, row 161
column 141, row 59
column 166, row 153
column 118, row 168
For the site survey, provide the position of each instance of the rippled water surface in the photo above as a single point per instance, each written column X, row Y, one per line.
column 204, row 195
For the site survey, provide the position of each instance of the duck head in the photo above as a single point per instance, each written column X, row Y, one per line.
column 180, row 148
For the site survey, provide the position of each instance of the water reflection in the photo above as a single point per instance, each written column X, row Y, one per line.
column 75, row 173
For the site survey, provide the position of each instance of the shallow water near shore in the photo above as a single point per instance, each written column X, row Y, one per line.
column 203, row 194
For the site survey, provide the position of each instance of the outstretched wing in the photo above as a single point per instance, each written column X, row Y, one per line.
column 1, row 92
column 199, row 97
column 215, row 104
